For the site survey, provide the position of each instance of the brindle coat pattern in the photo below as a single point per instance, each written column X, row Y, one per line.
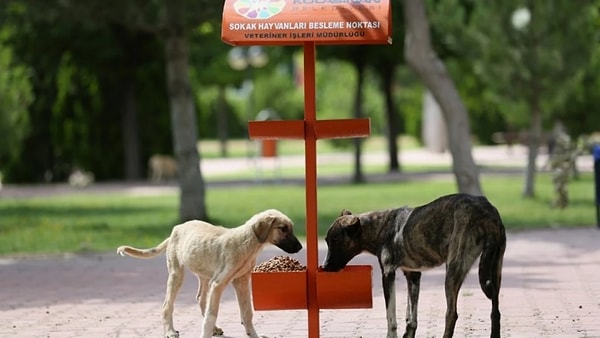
column 454, row 229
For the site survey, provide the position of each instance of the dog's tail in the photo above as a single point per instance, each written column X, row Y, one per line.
column 490, row 265
column 143, row 253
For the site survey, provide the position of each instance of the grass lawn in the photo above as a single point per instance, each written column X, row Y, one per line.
column 101, row 222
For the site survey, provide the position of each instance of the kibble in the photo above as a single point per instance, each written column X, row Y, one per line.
column 280, row 264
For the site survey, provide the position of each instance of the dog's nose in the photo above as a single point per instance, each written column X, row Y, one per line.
column 291, row 245
column 297, row 247
column 329, row 267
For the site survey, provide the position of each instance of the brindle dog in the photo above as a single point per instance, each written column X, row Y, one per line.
column 454, row 229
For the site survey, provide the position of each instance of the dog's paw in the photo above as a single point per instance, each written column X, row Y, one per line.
column 217, row 331
column 174, row 334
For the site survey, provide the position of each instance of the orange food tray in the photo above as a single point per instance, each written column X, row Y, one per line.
column 349, row 288
column 279, row 290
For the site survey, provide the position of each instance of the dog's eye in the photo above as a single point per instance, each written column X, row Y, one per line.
column 283, row 229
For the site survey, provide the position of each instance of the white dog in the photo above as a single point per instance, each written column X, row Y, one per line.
column 218, row 256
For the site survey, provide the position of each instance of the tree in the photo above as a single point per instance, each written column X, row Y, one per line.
column 359, row 62
column 424, row 61
column 88, row 82
column 579, row 113
column 384, row 60
column 183, row 115
column 15, row 97
column 533, row 54
column 171, row 21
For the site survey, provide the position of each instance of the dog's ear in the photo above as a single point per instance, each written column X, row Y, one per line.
column 351, row 225
column 262, row 228
column 345, row 212
column 351, row 221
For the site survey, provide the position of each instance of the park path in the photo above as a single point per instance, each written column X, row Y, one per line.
column 514, row 159
column 550, row 288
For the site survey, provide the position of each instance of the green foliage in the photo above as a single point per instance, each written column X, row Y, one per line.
column 277, row 90
column 81, row 84
column 335, row 98
column 409, row 96
column 486, row 115
column 77, row 97
column 500, row 69
column 15, row 97
column 208, row 108
column 521, row 65
column 581, row 112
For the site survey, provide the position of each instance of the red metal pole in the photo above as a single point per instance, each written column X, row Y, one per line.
column 310, row 145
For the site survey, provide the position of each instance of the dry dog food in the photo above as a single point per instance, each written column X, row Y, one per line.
column 280, row 264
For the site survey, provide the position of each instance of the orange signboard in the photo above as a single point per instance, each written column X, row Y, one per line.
column 291, row 22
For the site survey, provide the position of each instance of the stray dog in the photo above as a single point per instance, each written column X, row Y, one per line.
column 454, row 229
column 161, row 168
column 218, row 256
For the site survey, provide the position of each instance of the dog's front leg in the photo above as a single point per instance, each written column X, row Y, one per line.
column 242, row 292
column 389, row 294
column 413, row 281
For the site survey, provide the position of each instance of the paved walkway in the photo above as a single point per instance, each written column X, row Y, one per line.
column 551, row 288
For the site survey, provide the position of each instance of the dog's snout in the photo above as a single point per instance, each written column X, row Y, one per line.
column 333, row 262
column 328, row 267
column 290, row 245
column 296, row 246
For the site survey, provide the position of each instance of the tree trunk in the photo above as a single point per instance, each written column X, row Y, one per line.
column 432, row 71
column 222, row 125
column 392, row 121
column 184, row 125
column 533, row 144
column 358, row 103
column 130, row 129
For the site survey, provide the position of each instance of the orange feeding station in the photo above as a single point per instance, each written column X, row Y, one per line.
column 308, row 23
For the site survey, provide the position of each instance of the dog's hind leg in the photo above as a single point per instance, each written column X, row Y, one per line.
column 242, row 292
column 457, row 269
column 490, row 278
column 201, row 298
column 174, row 282
column 413, row 280
column 216, row 286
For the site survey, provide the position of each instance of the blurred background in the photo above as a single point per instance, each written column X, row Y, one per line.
column 100, row 86
column 100, row 91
